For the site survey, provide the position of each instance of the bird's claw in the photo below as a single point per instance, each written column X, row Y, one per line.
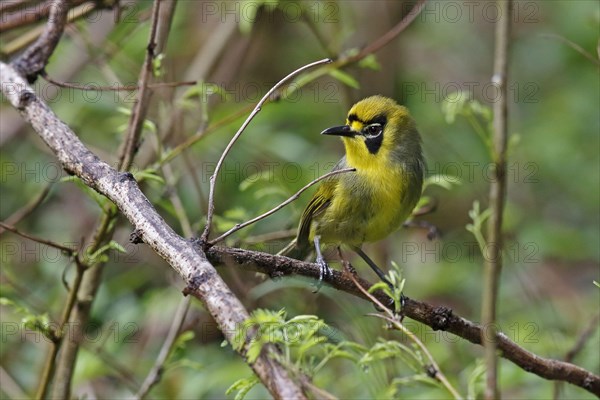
column 324, row 271
column 402, row 300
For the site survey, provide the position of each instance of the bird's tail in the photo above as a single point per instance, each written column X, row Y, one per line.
column 293, row 250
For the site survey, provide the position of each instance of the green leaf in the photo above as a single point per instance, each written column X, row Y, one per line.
column 441, row 180
column 184, row 363
column 242, row 386
column 385, row 349
column 453, row 105
column 370, row 62
column 31, row 320
column 345, row 78
column 249, row 10
column 157, row 65
column 203, row 90
column 178, row 348
column 100, row 254
column 98, row 198
column 394, row 276
column 476, row 384
column 150, row 175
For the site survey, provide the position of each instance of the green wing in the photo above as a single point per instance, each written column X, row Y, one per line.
column 317, row 205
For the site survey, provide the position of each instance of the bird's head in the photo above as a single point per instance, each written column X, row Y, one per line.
column 378, row 130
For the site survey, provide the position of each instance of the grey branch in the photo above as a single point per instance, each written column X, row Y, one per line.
column 187, row 259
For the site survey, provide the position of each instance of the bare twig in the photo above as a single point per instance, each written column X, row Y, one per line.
column 392, row 33
column 113, row 88
column 10, row 386
column 33, row 34
column 155, row 373
column 187, row 259
column 23, row 15
column 29, row 14
column 67, row 250
column 35, row 58
column 271, row 236
column 256, row 110
column 11, row 5
column 574, row 46
column 391, row 318
column 184, row 221
column 493, row 256
column 27, row 209
column 77, row 309
column 577, row 347
column 583, row 338
column 316, row 391
column 237, row 227
column 49, row 367
column 202, row 133
column 138, row 114
column 115, row 362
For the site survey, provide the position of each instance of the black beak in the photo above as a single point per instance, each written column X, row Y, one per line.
column 343, row 130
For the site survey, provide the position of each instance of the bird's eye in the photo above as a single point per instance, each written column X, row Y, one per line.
column 374, row 129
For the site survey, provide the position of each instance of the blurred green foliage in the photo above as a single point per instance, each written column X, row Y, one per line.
column 237, row 51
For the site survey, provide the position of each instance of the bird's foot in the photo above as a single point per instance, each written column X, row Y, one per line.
column 324, row 271
column 400, row 313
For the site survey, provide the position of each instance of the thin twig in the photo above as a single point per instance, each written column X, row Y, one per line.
column 184, row 221
column 24, row 15
column 316, row 391
column 201, row 134
column 69, row 251
column 35, row 58
column 392, row 33
column 49, row 367
column 114, row 88
column 122, row 370
column 27, row 209
column 155, row 373
column 256, row 110
column 391, row 318
column 497, row 195
column 583, row 338
column 11, row 5
column 84, row 293
column 237, row 227
column 156, row 42
column 574, row 46
column 10, row 386
column 271, row 236
column 32, row 34
column 576, row 349
column 138, row 114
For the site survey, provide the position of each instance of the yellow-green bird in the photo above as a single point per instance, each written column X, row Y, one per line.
column 383, row 145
